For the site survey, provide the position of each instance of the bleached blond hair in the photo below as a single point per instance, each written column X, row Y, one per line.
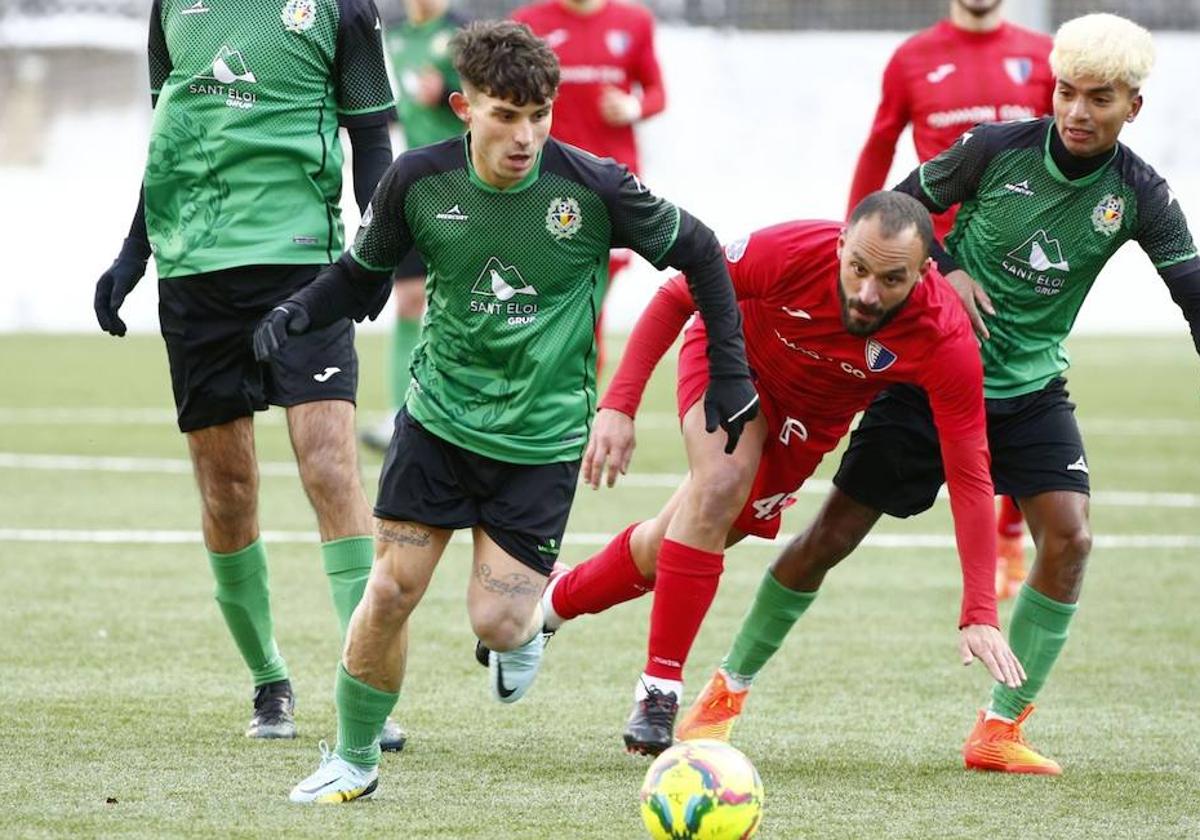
column 1102, row 46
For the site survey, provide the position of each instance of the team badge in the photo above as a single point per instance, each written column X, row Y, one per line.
column 618, row 41
column 1107, row 216
column 1018, row 69
column 563, row 219
column 299, row 15
column 879, row 358
column 736, row 249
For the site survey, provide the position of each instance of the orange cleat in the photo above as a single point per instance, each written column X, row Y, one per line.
column 714, row 712
column 1000, row 746
column 1010, row 566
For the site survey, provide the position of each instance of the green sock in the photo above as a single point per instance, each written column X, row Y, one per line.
column 1037, row 632
column 361, row 711
column 775, row 609
column 245, row 601
column 347, row 565
column 405, row 336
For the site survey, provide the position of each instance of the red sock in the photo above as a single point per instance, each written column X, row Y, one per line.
column 603, row 581
column 685, row 585
column 1009, row 522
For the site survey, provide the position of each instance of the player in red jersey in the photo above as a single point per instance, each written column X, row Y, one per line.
column 970, row 68
column 610, row 79
column 832, row 315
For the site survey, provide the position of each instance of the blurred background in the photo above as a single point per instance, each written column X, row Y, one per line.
column 769, row 103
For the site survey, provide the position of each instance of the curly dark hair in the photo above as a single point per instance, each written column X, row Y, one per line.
column 506, row 60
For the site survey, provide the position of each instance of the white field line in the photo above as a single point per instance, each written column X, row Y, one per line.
column 891, row 541
column 100, row 416
column 181, row 466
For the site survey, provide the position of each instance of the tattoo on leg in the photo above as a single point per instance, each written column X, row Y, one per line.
column 402, row 534
column 513, row 585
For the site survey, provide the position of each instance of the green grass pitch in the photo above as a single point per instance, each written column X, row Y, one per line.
column 122, row 700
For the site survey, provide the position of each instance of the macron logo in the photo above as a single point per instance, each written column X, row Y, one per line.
column 327, row 374
column 1021, row 187
column 198, row 8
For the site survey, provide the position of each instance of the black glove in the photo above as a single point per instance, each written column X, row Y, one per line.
column 731, row 403
column 112, row 287
column 289, row 318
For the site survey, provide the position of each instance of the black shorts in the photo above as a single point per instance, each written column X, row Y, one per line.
column 208, row 320
column 522, row 507
column 412, row 266
column 894, row 463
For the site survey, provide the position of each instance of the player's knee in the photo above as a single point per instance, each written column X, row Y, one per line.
column 500, row 628
column 229, row 497
column 720, row 493
column 387, row 597
column 826, row 543
column 1071, row 547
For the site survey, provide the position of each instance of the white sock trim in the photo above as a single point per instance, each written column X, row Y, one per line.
column 645, row 682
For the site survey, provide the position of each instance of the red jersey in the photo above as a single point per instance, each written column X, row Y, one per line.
column 611, row 47
column 944, row 80
column 819, row 376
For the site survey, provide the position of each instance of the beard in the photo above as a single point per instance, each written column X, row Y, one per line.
column 882, row 316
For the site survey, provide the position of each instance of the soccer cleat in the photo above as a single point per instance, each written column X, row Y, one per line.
column 714, row 712
column 1010, row 566
column 649, row 728
column 274, row 705
column 512, row 672
column 1000, row 746
column 392, row 738
column 335, row 781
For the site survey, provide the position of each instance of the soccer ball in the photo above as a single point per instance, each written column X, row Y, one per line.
column 702, row 790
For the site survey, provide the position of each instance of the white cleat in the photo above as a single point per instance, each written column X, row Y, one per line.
column 512, row 673
column 335, row 781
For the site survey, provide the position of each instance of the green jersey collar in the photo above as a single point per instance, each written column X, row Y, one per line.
column 520, row 186
column 1056, row 173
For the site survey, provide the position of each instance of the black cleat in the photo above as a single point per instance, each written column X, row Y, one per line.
column 650, row 729
column 274, row 705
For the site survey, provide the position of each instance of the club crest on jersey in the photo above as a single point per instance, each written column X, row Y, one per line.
column 563, row 219
column 879, row 358
column 1107, row 215
column 736, row 249
column 299, row 15
column 1018, row 69
column 617, row 41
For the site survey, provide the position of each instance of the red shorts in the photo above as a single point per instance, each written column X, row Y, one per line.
column 791, row 453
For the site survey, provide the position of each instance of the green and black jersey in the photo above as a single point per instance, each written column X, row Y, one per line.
column 506, row 366
column 244, row 164
column 1035, row 240
column 416, row 49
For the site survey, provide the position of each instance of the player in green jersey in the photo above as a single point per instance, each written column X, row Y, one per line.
column 516, row 228
column 240, row 206
column 1045, row 204
column 419, row 47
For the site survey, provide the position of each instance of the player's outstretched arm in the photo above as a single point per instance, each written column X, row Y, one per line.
column 612, row 442
column 731, row 401
column 123, row 275
column 987, row 644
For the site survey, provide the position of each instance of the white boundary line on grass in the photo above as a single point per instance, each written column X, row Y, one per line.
column 112, row 416
column 901, row 541
column 181, row 466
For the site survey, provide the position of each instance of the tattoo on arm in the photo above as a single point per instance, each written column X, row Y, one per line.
column 402, row 533
column 515, row 585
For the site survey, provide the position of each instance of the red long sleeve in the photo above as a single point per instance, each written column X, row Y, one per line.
column 648, row 75
column 654, row 333
column 968, row 477
column 891, row 117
